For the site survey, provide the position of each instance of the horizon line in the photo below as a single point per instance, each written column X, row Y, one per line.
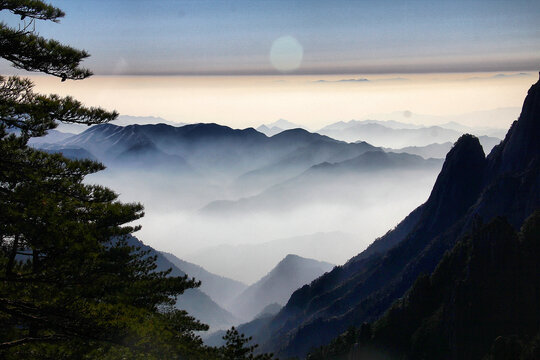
column 322, row 72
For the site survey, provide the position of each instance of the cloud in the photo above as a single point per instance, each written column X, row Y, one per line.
column 360, row 80
column 393, row 79
column 500, row 76
column 342, row 80
column 522, row 74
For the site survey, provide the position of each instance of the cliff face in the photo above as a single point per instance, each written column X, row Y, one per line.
column 469, row 189
column 521, row 145
column 512, row 180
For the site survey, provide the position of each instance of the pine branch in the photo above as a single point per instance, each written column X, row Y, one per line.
column 34, row 9
column 31, row 52
column 35, row 114
column 26, row 340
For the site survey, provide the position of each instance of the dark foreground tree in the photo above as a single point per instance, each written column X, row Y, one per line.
column 237, row 347
column 70, row 287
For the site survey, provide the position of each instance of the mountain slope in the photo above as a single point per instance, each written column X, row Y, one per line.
column 208, row 144
column 313, row 152
column 332, row 182
column 148, row 157
column 483, row 297
column 506, row 183
column 194, row 301
column 277, row 286
column 221, row 289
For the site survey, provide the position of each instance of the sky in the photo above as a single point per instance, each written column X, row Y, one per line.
column 243, row 63
column 201, row 37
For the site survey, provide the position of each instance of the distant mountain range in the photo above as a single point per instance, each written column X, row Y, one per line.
column 330, row 181
column 278, row 126
column 258, row 160
column 393, row 134
column 470, row 189
column 483, row 122
column 122, row 120
column 317, row 150
column 440, row 150
column 205, row 147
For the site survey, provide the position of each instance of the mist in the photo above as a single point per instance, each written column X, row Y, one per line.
column 236, row 202
column 354, row 208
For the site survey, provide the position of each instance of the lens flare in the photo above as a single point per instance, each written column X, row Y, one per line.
column 286, row 54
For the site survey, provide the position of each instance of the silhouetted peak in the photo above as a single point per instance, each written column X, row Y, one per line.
column 521, row 144
column 466, row 145
column 458, row 184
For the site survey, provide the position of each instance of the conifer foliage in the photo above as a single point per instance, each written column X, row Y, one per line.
column 70, row 287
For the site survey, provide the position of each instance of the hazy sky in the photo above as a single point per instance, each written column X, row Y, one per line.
column 301, row 37
column 313, row 101
column 461, row 47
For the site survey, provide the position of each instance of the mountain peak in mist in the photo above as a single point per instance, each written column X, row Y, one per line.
column 284, row 124
column 277, row 127
column 289, row 274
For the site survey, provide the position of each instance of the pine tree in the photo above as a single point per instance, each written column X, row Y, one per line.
column 237, row 347
column 70, row 287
